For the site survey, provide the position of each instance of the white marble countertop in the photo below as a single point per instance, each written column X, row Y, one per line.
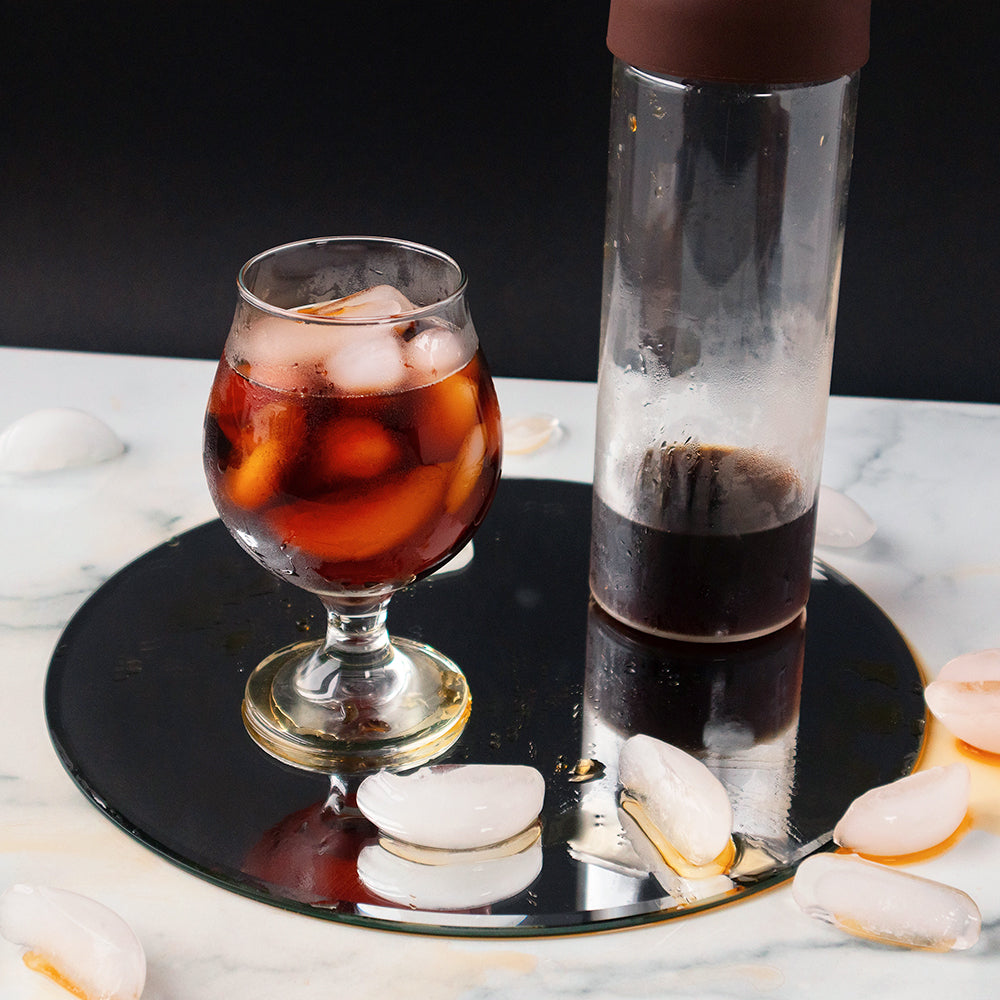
column 927, row 473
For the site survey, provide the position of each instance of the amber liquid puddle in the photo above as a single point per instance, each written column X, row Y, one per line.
column 917, row 856
column 941, row 748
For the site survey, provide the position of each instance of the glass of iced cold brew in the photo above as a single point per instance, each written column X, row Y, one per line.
column 352, row 446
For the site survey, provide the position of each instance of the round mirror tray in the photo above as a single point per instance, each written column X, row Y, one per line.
column 143, row 705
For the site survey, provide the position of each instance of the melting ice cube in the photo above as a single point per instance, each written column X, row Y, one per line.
column 680, row 801
column 965, row 697
column 281, row 352
column 289, row 353
column 56, row 438
column 454, row 807
column 913, row 814
column 379, row 301
column 689, row 890
column 522, row 435
column 436, row 352
column 368, row 360
column 885, row 904
column 840, row 522
column 75, row 941
column 438, row 857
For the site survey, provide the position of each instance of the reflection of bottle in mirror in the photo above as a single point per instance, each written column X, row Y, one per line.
column 734, row 706
column 731, row 139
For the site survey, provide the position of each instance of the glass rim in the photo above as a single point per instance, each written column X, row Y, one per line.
column 421, row 248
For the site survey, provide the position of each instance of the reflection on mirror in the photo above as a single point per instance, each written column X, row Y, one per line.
column 733, row 706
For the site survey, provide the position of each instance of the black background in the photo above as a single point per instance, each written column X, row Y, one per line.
column 149, row 149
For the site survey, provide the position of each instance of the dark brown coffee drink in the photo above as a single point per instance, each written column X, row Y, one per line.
column 718, row 547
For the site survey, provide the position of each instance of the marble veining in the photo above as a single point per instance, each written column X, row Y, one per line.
column 927, row 474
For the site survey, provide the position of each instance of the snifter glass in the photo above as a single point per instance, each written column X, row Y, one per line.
column 352, row 446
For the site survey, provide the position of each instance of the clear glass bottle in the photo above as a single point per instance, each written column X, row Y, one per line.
column 727, row 188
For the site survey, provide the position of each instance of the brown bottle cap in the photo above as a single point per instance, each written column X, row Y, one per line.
column 742, row 41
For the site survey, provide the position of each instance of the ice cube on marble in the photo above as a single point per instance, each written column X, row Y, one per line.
column 885, row 904
column 77, row 942
column 454, row 807
column 56, row 438
column 913, row 814
column 523, row 435
column 464, row 885
column 841, row 522
column 682, row 799
column 965, row 698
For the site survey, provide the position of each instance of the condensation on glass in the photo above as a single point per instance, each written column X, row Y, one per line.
column 725, row 223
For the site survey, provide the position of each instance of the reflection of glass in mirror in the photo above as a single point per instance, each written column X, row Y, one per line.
column 330, row 855
column 311, row 856
column 734, row 706
column 352, row 446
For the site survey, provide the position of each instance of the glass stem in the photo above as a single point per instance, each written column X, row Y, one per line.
column 357, row 635
column 353, row 662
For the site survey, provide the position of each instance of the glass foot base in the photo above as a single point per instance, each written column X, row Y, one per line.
column 399, row 714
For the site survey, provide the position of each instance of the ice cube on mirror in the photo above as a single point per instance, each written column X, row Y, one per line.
column 885, row 904
column 678, row 798
column 965, row 698
column 454, row 807
column 464, row 885
column 680, row 887
column 840, row 521
column 913, row 814
column 379, row 301
column 77, row 942
column 56, row 438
